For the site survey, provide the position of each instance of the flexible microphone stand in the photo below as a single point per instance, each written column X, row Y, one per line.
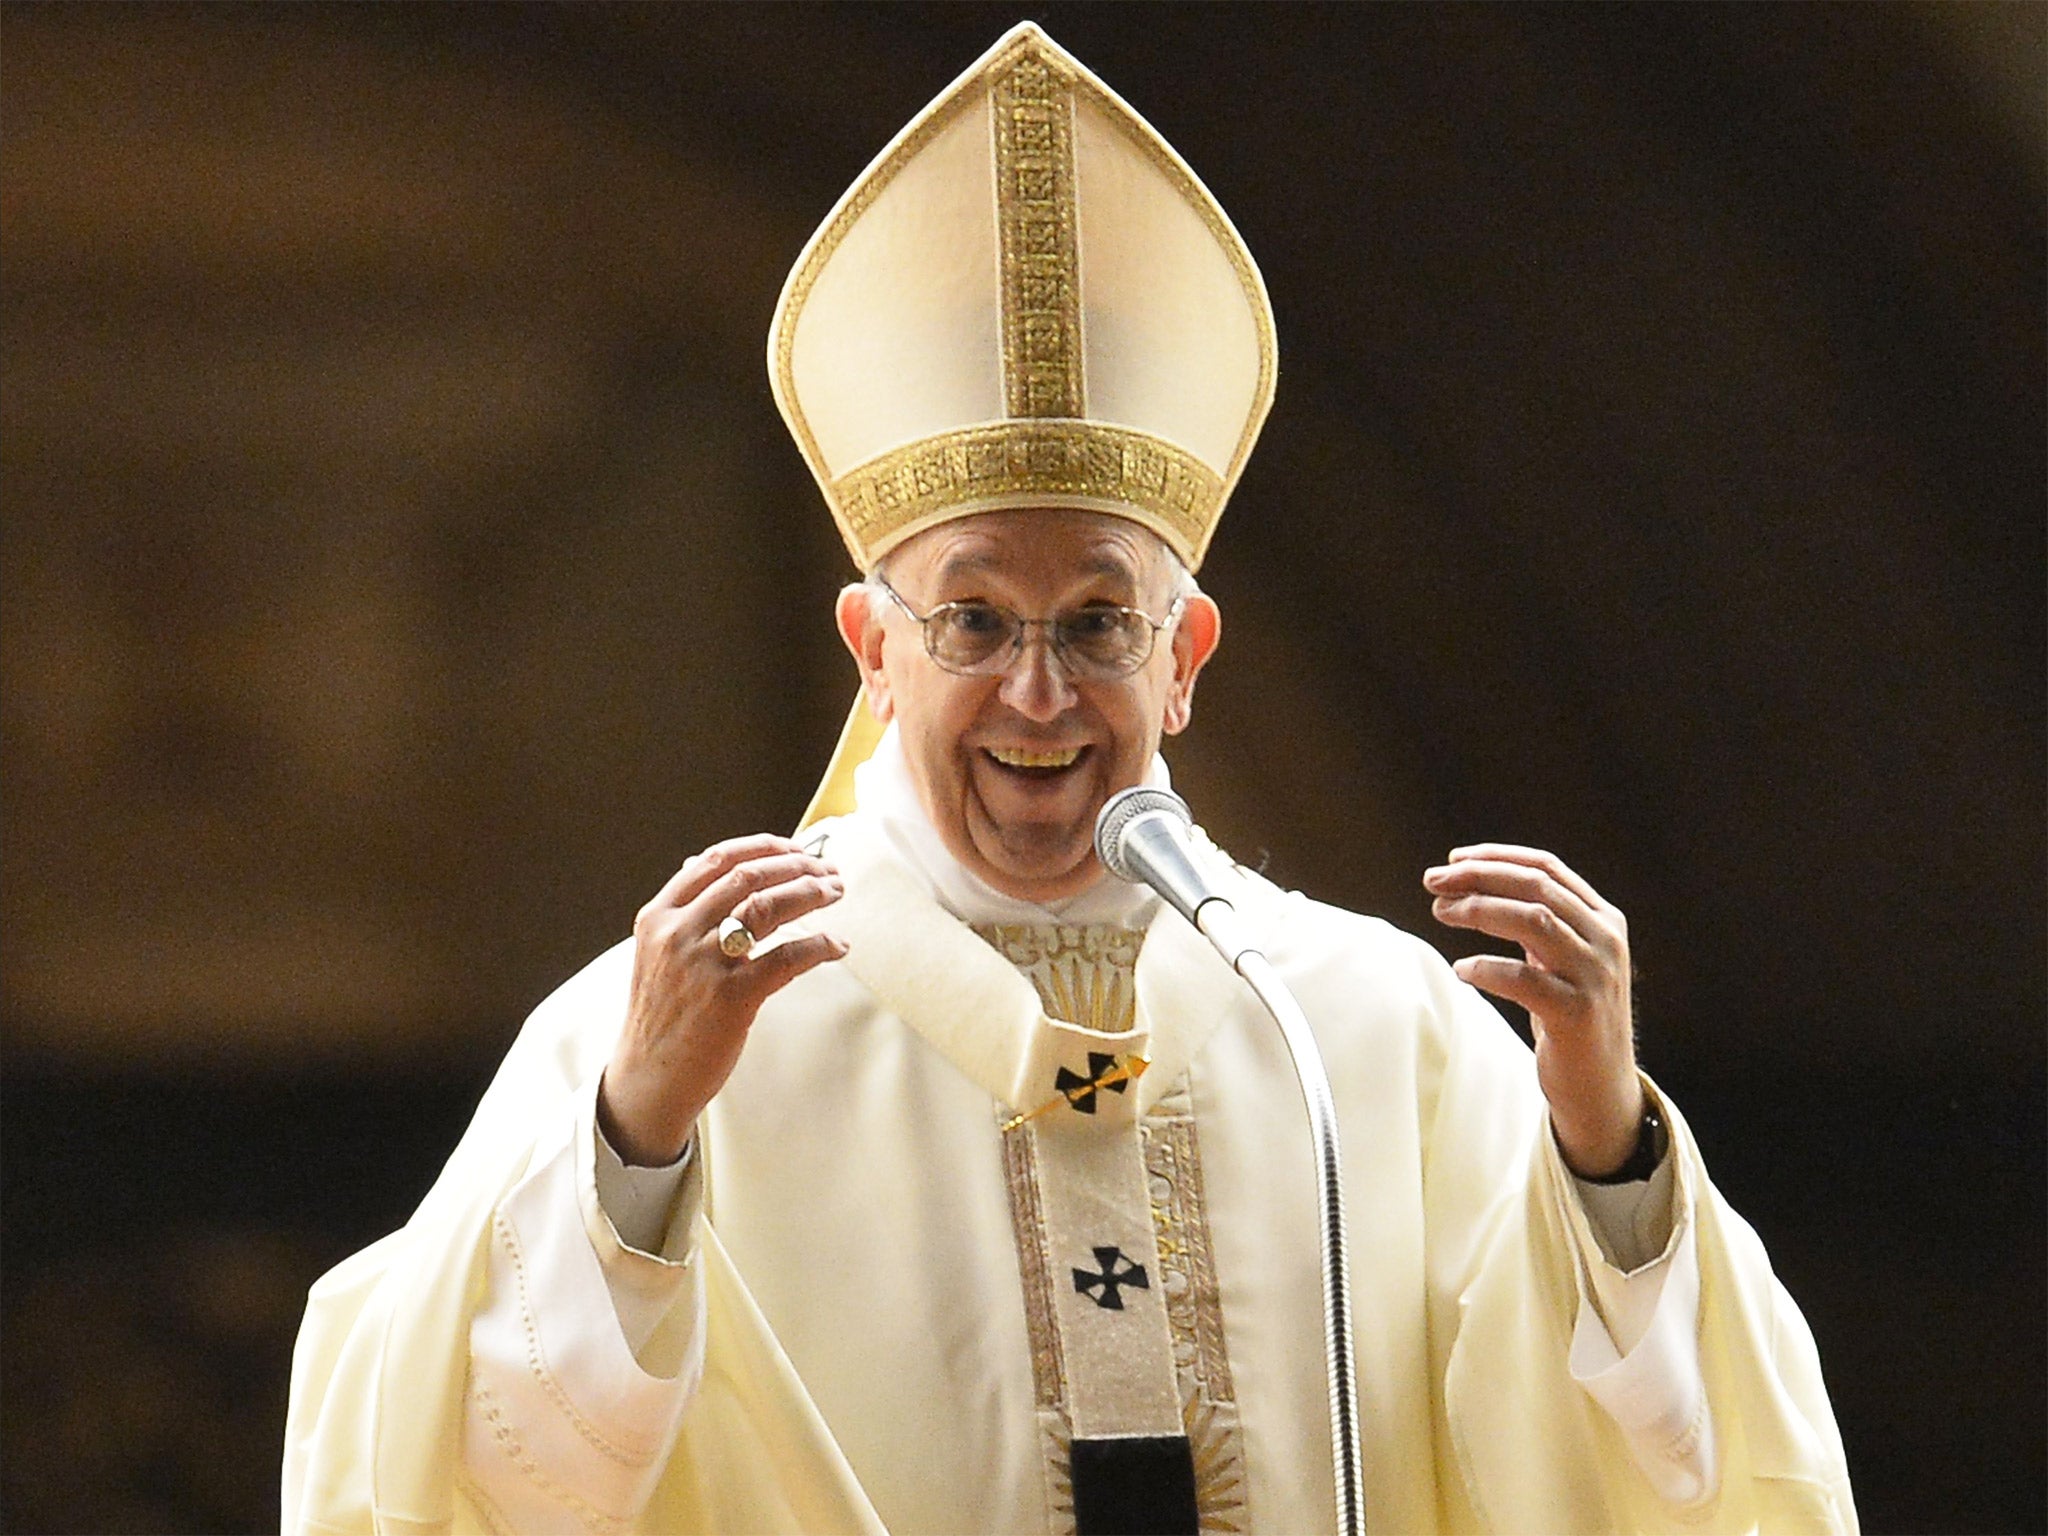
column 1142, row 836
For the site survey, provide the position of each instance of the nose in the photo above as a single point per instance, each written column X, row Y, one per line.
column 1036, row 684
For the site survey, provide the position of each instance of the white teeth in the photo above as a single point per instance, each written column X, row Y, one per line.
column 1011, row 758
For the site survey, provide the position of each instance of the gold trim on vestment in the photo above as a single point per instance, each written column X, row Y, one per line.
column 1197, row 196
column 1133, row 473
column 1033, row 109
column 1180, row 1214
column 1048, row 1369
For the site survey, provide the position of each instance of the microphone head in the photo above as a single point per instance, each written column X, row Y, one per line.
column 1117, row 814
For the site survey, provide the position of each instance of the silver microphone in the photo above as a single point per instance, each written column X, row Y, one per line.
column 1145, row 836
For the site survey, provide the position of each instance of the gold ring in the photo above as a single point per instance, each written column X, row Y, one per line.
column 735, row 938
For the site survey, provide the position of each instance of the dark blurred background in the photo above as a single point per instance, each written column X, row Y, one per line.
column 405, row 568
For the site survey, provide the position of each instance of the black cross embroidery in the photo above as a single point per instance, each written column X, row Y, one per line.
column 1110, row 1279
column 1084, row 1100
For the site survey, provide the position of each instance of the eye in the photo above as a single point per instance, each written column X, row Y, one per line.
column 1096, row 622
column 973, row 620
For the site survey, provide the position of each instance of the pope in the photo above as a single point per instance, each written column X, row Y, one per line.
column 912, row 1173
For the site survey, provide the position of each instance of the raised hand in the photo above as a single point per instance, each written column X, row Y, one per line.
column 1573, row 978
column 691, row 1003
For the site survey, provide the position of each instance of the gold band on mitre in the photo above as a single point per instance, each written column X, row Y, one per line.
column 1027, row 300
column 1059, row 462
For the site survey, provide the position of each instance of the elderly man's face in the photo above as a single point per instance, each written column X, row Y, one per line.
column 1013, row 768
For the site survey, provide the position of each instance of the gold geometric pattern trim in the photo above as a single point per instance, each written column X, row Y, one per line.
column 911, row 486
column 1180, row 1219
column 1218, row 1447
column 1027, row 1219
column 1033, row 106
column 1084, row 975
column 1194, row 1312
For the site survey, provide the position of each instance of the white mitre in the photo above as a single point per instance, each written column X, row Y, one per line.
column 1027, row 300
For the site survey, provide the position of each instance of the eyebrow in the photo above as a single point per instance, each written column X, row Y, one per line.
column 976, row 562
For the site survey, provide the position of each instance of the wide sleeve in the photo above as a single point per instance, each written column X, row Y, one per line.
column 584, row 1352
column 1715, row 1418
column 373, row 1430
column 378, row 1420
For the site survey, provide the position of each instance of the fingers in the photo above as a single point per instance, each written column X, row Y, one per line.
column 775, row 889
column 765, row 974
column 700, row 870
column 1522, row 883
column 1543, row 993
column 1538, row 928
column 1572, row 976
column 1535, row 858
column 1574, row 943
column 767, row 909
column 1538, row 903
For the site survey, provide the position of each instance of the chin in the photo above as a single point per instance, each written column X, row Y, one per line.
column 1042, row 873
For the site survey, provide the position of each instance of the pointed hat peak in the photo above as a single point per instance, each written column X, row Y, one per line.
column 1028, row 299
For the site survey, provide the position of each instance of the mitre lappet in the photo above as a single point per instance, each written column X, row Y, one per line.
column 1026, row 300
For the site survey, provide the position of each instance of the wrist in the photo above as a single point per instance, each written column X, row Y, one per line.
column 1643, row 1156
column 1596, row 1142
column 640, row 1138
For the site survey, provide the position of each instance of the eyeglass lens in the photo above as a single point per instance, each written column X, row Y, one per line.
column 1101, row 641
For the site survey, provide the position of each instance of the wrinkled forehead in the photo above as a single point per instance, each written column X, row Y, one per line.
column 1056, row 547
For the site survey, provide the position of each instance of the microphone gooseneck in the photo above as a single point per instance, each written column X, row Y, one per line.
column 1146, row 836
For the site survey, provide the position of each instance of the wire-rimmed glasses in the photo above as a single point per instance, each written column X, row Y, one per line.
column 977, row 638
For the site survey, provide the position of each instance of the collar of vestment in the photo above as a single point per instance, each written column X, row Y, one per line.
column 984, row 1015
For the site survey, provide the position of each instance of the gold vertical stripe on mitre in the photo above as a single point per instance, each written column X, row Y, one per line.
column 1033, row 105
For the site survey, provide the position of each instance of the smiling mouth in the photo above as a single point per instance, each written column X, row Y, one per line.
column 1035, row 762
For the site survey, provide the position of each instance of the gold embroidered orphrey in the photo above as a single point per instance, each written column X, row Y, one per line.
column 1035, row 215
column 1084, row 976
column 1049, row 458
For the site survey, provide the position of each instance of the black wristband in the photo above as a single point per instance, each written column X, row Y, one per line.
column 1652, row 1142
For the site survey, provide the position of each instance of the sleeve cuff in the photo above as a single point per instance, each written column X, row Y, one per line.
column 647, row 1207
column 1635, row 1342
column 1655, row 1393
column 1631, row 1224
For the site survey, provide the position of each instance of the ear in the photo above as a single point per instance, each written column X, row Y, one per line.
column 860, row 626
column 1195, row 640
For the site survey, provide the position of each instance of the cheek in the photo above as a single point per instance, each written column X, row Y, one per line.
column 932, row 724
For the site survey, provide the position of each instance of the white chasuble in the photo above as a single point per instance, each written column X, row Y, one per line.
column 901, row 1300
